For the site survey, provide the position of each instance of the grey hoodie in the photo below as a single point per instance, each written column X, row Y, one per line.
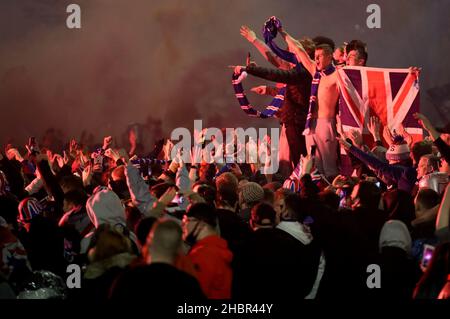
column 395, row 234
column 104, row 207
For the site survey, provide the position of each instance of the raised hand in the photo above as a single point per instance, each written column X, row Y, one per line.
column 73, row 148
column 261, row 90
column 374, row 127
column 238, row 69
column 424, row 121
column 113, row 154
column 408, row 138
column 415, row 70
column 248, row 33
column 344, row 143
column 66, row 158
column 389, row 138
column 356, row 137
column 13, row 153
column 426, row 124
column 167, row 149
column 59, row 159
column 307, row 164
column 107, row 141
column 87, row 175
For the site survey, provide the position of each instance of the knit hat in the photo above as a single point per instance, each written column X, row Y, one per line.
column 252, row 192
column 399, row 150
column 28, row 208
column 395, row 234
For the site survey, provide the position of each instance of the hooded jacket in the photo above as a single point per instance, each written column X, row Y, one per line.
column 139, row 190
column 212, row 261
column 395, row 234
column 312, row 261
column 105, row 207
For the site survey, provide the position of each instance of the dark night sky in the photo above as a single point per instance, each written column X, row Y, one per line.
column 167, row 58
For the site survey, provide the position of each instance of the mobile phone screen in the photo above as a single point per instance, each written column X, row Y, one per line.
column 428, row 251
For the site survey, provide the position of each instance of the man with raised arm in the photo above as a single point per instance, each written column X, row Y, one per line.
column 298, row 86
column 320, row 129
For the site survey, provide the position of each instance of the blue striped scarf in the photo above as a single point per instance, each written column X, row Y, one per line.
column 313, row 97
column 270, row 31
column 270, row 110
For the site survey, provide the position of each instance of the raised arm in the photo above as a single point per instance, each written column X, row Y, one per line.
column 443, row 148
column 250, row 35
column 292, row 76
column 297, row 48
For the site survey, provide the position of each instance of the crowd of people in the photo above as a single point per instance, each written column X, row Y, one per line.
column 151, row 226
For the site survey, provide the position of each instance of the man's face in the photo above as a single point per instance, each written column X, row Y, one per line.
column 338, row 56
column 422, row 168
column 322, row 59
column 352, row 59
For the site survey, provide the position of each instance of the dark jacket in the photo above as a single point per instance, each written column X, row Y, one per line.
column 349, row 249
column 272, row 264
column 232, row 228
column 399, row 274
column 298, row 89
column 156, row 282
column 403, row 177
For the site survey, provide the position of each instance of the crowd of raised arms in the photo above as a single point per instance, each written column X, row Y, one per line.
column 147, row 225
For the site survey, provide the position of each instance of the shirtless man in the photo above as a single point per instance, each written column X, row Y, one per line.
column 322, row 130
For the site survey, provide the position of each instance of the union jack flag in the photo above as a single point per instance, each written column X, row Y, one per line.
column 390, row 94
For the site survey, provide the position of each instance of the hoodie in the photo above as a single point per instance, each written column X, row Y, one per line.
column 296, row 230
column 395, row 234
column 212, row 262
column 105, row 207
column 139, row 191
column 303, row 234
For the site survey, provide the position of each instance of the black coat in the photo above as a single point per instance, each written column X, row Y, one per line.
column 273, row 264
